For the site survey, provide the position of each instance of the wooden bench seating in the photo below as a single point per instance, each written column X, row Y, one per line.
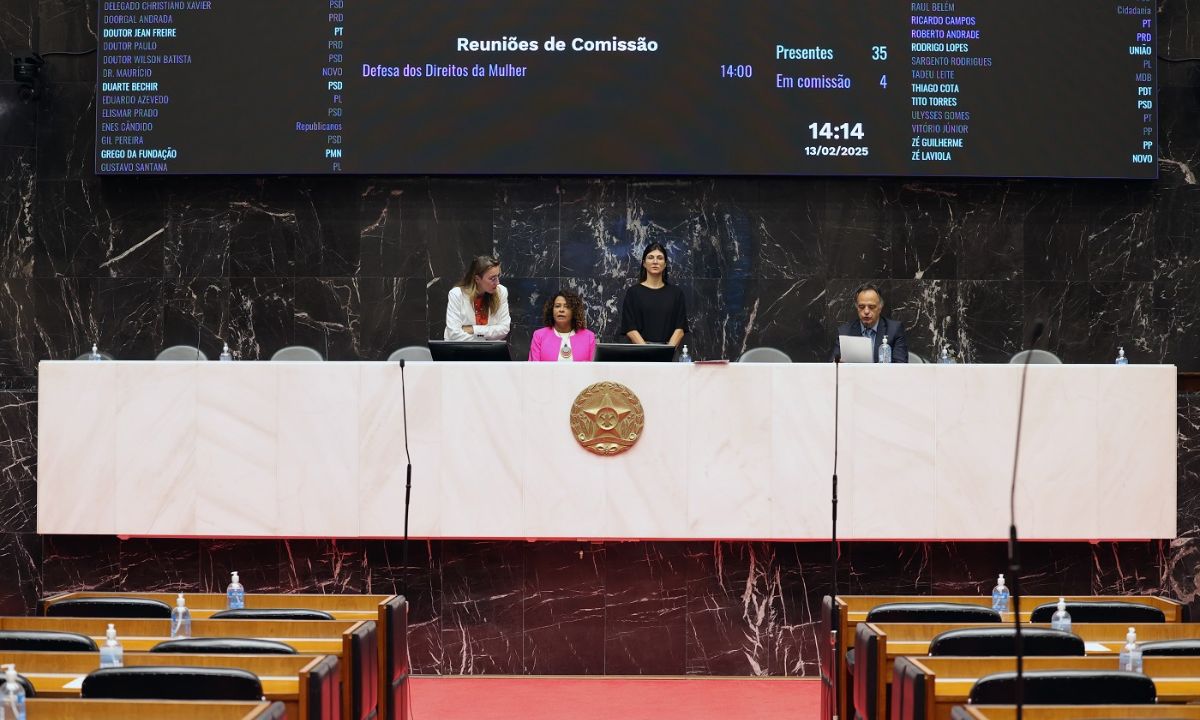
column 838, row 620
column 1077, row 712
column 887, row 641
column 355, row 643
column 390, row 612
column 64, row 709
column 945, row 682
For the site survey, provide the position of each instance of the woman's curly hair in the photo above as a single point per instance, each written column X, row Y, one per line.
column 574, row 303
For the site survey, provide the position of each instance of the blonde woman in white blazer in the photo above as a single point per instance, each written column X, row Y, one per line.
column 477, row 308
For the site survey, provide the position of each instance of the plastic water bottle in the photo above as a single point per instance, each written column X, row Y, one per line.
column 14, row 695
column 1061, row 620
column 1121, row 359
column 1000, row 595
column 226, row 356
column 95, row 355
column 235, row 594
column 181, row 619
column 1131, row 654
column 684, row 356
column 111, row 653
column 885, row 351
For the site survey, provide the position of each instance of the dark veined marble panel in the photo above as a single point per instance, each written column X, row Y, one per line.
column 734, row 592
column 563, row 608
column 360, row 318
column 18, row 462
column 80, row 562
column 160, row 565
column 420, row 581
column 21, row 568
column 1187, row 489
column 258, row 563
column 645, row 608
column 525, row 228
column 483, row 629
column 324, row 567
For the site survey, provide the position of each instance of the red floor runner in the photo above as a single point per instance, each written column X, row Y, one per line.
column 613, row 698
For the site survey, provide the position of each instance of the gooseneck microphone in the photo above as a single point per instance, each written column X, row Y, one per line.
column 1014, row 564
column 407, row 479
column 833, row 548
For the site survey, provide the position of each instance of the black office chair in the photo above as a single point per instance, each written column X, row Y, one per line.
column 1067, row 687
column 1107, row 611
column 1182, row 647
column 46, row 640
column 272, row 614
column 224, row 645
column 932, row 612
column 1002, row 641
column 109, row 607
column 172, row 683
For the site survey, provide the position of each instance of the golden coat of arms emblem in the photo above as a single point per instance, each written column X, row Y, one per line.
column 607, row 418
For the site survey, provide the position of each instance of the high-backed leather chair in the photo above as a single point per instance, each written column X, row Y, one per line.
column 764, row 355
column 296, row 353
column 322, row 690
column 1106, row 611
column 185, row 353
column 1067, row 687
column 411, row 352
column 109, row 607
column 224, row 645
column 1002, row 641
column 364, row 686
column 932, row 612
column 45, row 641
column 1187, row 647
column 172, row 683
column 272, row 614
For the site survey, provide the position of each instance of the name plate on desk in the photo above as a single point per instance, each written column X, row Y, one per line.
column 738, row 451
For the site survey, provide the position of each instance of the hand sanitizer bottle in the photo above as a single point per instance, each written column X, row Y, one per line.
column 95, row 355
column 684, row 357
column 1061, row 619
column 111, row 654
column 1000, row 595
column 226, row 356
column 235, row 594
column 947, row 357
column 14, row 695
column 885, row 351
column 1121, row 359
column 1131, row 654
column 181, row 619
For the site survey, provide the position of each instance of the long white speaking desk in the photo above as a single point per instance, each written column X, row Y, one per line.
column 261, row 449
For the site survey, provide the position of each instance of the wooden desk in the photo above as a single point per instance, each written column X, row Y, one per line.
column 203, row 605
column 390, row 612
column 282, row 676
column 948, row 680
column 62, row 709
column 849, row 610
column 913, row 639
column 1077, row 712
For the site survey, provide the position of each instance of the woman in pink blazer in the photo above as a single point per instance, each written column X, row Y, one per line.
column 565, row 337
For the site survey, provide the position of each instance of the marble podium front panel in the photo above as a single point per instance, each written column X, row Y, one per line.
column 260, row 449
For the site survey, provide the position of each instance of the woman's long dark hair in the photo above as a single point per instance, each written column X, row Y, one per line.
column 666, row 262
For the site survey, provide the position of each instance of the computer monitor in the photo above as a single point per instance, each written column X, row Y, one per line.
column 628, row 352
column 454, row 350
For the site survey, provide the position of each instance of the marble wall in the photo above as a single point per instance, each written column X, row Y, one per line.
column 360, row 266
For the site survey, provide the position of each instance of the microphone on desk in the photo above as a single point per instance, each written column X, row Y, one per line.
column 407, row 479
column 1014, row 564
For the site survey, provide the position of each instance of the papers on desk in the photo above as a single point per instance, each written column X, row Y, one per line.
column 76, row 684
column 1095, row 647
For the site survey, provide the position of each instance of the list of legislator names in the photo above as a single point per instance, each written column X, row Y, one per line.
column 969, row 88
column 139, row 44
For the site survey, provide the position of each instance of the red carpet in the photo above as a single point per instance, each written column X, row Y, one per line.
column 610, row 698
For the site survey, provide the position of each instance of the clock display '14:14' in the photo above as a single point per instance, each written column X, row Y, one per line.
column 844, row 131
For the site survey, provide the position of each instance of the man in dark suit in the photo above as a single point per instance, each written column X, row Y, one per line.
column 868, row 301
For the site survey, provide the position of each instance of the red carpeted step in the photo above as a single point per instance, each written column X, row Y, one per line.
column 607, row 698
